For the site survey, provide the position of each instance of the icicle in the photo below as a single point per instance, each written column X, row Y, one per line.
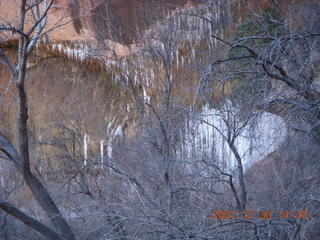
column 118, row 132
column 85, row 143
column 193, row 52
column 152, row 74
column 109, row 149
column 177, row 57
column 145, row 96
column 102, row 151
column 135, row 78
column 111, row 124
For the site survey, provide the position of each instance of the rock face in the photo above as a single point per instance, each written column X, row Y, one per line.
column 122, row 21
column 74, row 89
column 78, row 90
column 66, row 90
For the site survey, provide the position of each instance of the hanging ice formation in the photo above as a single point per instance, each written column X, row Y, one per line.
column 253, row 144
column 85, row 149
column 102, row 151
column 191, row 31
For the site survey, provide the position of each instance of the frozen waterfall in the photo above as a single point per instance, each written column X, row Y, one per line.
column 207, row 135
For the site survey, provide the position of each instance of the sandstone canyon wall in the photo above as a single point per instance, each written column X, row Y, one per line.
column 122, row 22
column 72, row 76
column 78, row 72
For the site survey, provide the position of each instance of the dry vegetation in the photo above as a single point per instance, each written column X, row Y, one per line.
column 158, row 177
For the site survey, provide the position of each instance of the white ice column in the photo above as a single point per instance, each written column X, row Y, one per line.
column 109, row 149
column 102, row 151
column 85, row 148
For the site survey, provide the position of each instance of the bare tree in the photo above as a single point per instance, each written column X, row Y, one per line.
column 21, row 157
column 272, row 65
column 159, row 183
column 279, row 52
